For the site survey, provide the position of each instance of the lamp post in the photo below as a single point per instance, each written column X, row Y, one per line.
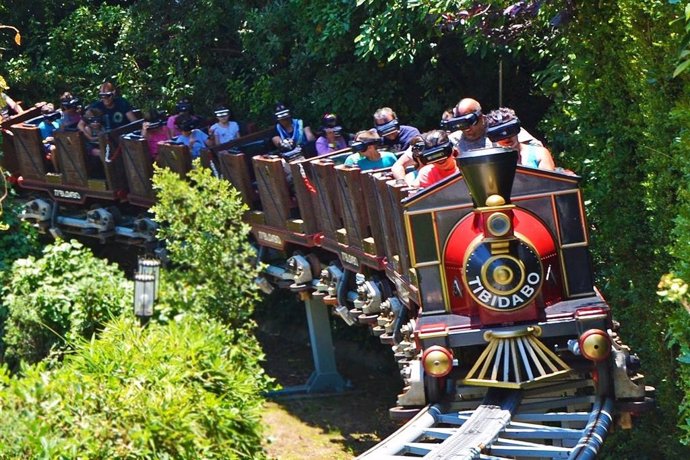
column 144, row 295
column 150, row 266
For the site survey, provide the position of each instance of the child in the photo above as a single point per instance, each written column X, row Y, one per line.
column 193, row 138
column 225, row 130
column 47, row 127
column 154, row 130
column 438, row 157
column 183, row 107
column 92, row 130
column 69, row 107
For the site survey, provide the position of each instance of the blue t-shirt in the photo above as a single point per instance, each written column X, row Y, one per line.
column 115, row 116
column 386, row 161
column 196, row 145
column 47, row 128
column 402, row 140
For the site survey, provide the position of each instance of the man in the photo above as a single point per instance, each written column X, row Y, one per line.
column 468, row 126
column 290, row 132
column 469, row 132
column 367, row 155
column 116, row 110
column 395, row 136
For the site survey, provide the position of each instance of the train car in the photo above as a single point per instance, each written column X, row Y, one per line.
column 482, row 280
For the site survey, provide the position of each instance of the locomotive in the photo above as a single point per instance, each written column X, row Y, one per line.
column 480, row 280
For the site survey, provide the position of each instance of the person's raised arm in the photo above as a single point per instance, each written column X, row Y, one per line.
column 405, row 160
column 546, row 160
column 307, row 132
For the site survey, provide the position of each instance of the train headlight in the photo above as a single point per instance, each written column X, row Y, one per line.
column 595, row 345
column 437, row 361
column 498, row 224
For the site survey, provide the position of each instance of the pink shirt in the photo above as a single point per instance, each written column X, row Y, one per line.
column 153, row 137
column 171, row 126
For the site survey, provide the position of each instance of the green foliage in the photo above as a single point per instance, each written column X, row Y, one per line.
column 184, row 390
column 17, row 239
column 684, row 55
column 610, row 78
column 202, row 226
column 53, row 300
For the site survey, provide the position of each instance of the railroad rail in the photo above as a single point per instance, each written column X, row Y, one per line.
column 561, row 420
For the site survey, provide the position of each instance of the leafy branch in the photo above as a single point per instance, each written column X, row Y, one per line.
column 684, row 56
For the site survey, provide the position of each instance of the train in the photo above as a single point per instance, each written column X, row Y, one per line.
column 482, row 280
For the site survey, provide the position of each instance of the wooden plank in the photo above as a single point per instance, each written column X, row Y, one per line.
column 111, row 155
column 399, row 190
column 354, row 204
column 384, row 207
column 233, row 167
column 29, row 150
column 274, row 192
column 327, row 202
column 375, row 218
column 175, row 157
column 8, row 159
column 138, row 167
column 71, row 157
column 306, row 195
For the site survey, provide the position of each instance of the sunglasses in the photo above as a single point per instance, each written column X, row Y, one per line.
column 361, row 146
column 462, row 122
column 105, row 95
column 391, row 127
column 505, row 130
column 433, row 154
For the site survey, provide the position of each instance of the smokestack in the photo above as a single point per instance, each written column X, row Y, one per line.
column 489, row 172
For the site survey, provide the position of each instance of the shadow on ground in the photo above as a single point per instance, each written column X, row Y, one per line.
column 347, row 424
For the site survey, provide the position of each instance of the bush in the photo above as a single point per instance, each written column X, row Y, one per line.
column 17, row 238
column 202, row 227
column 179, row 391
column 51, row 301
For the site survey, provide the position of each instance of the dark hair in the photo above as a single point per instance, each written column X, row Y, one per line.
column 185, row 122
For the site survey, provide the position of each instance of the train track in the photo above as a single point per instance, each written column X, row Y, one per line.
column 561, row 420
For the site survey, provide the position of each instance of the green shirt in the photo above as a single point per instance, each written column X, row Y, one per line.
column 386, row 161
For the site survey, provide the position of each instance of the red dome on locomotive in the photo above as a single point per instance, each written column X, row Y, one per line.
column 500, row 261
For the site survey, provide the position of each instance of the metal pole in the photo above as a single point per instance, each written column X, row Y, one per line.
column 500, row 82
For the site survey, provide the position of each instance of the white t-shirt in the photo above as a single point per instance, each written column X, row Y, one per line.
column 223, row 134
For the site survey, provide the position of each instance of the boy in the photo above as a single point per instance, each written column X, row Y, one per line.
column 367, row 156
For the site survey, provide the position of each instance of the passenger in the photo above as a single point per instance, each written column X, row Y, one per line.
column 530, row 155
column 70, row 112
column 367, row 155
column 437, row 154
column 190, row 136
column 93, row 128
column 183, row 107
column 9, row 107
column 467, row 126
column 411, row 176
column 48, row 125
column 224, row 130
column 116, row 110
column 331, row 137
column 395, row 136
column 154, row 130
column 398, row 136
column 291, row 132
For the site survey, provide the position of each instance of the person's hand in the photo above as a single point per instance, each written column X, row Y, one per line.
column 287, row 144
